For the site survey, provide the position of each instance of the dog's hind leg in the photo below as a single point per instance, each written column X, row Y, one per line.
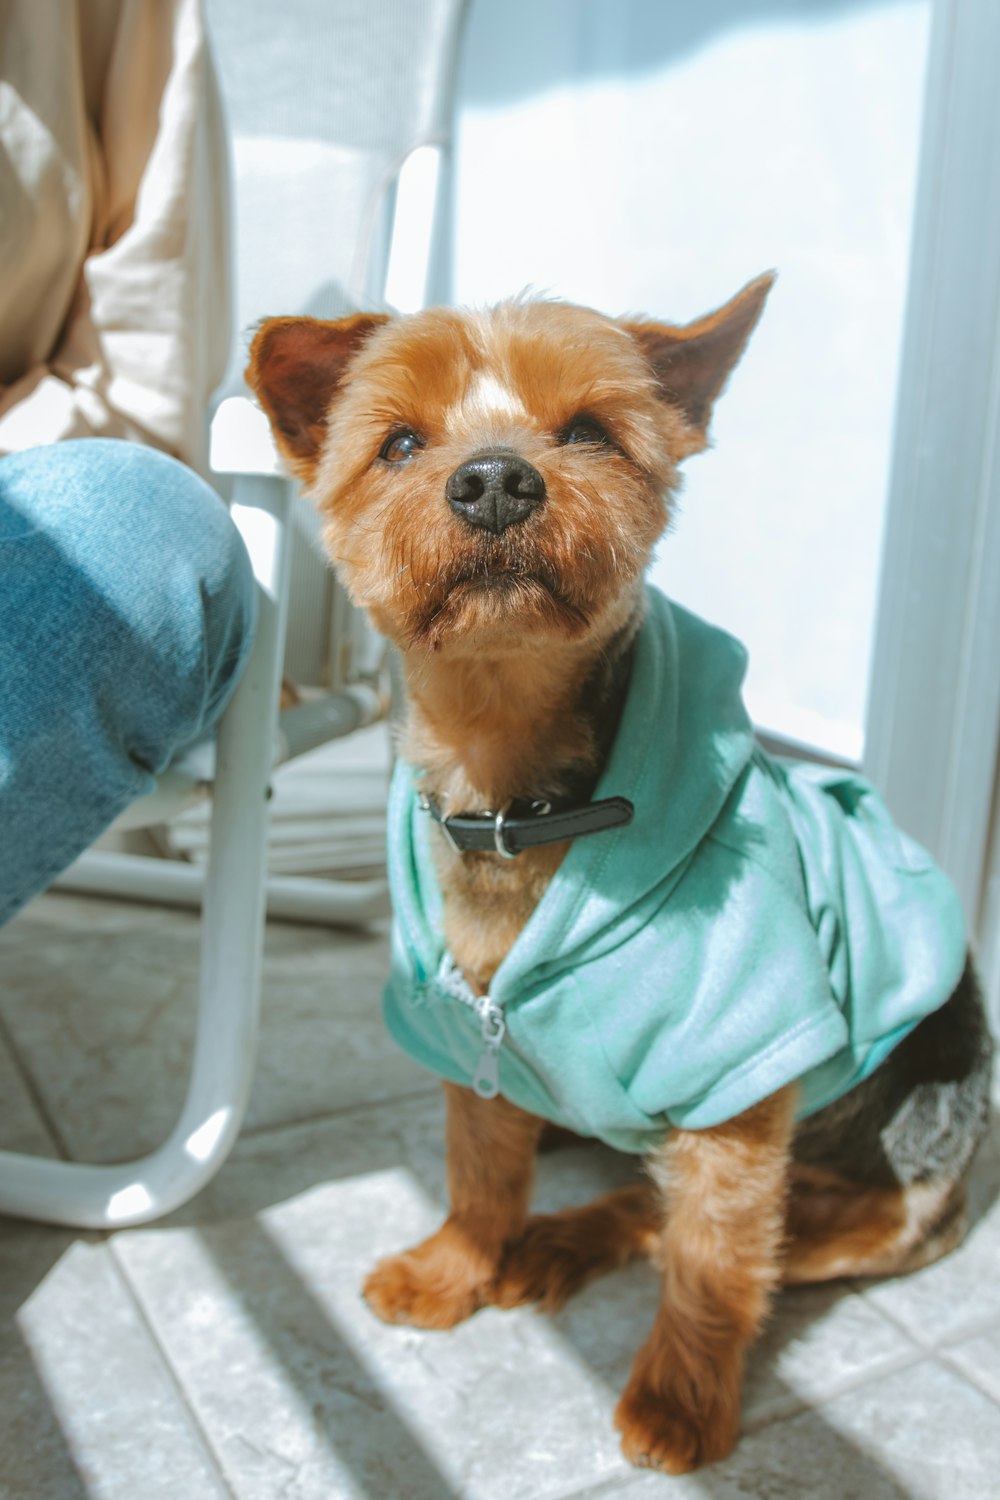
column 878, row 1183
column 836, row 1228
column 558, row 1253
column 491, row 1153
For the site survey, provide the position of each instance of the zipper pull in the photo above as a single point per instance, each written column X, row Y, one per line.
column 486, row 1083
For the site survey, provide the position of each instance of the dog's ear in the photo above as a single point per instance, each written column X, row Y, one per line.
column 296, row 367
column 693, row 362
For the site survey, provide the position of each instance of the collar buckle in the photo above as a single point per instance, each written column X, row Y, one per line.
column 499, row 837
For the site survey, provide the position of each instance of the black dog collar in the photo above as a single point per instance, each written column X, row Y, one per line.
column 511, row 831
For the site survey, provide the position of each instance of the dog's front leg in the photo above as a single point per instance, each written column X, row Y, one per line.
column 720, row 1252
column 491, row 1156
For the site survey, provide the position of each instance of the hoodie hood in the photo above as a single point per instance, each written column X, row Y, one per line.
column 683, row 742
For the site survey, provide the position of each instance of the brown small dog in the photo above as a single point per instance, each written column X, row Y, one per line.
column 493, row 485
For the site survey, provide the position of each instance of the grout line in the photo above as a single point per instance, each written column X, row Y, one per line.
column 891, row 1365
column 927, row 1343
column 199, row 1431
column 930, row 1344
column 924, row 1345
column 35, row 1095
column 362, row 1107
column 970, row 1377
column 624, row 1484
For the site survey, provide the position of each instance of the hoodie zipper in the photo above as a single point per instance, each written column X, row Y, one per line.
column 492, row 1026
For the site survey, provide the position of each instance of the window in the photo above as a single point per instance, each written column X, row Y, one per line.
column 653, row 158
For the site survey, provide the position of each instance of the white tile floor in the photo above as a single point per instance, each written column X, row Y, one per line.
column 227, row 1352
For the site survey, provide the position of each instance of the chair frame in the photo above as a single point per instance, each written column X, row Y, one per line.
column 108, row 1196
column 233, row 892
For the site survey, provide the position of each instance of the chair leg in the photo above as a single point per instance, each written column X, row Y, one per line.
column 173, row 882
column 104, row 1197
column 295, row 898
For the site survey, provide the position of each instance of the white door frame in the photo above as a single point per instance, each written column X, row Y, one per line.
column 933, row 722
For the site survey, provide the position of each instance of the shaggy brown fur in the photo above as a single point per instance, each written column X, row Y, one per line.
column 517, row 645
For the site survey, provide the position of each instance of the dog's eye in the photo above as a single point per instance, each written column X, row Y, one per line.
column 400, row 446
column 584, row 430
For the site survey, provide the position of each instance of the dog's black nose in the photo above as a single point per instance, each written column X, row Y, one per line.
column 495, row 490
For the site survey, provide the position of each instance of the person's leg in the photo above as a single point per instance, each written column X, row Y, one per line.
column 126, row 613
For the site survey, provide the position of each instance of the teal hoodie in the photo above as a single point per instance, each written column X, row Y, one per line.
column 759, row 921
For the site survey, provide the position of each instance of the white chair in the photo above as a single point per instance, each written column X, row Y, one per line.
column 340, row 113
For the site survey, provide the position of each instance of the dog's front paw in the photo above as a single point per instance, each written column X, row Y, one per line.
column 661, row 1429
column 402, row 1289
column 435, row 1285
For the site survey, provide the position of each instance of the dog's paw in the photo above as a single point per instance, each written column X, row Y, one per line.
column 435, row 1285
column 401, row 1289
column 658, row 1432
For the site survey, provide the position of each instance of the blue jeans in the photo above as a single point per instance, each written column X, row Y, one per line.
column 126, row 612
